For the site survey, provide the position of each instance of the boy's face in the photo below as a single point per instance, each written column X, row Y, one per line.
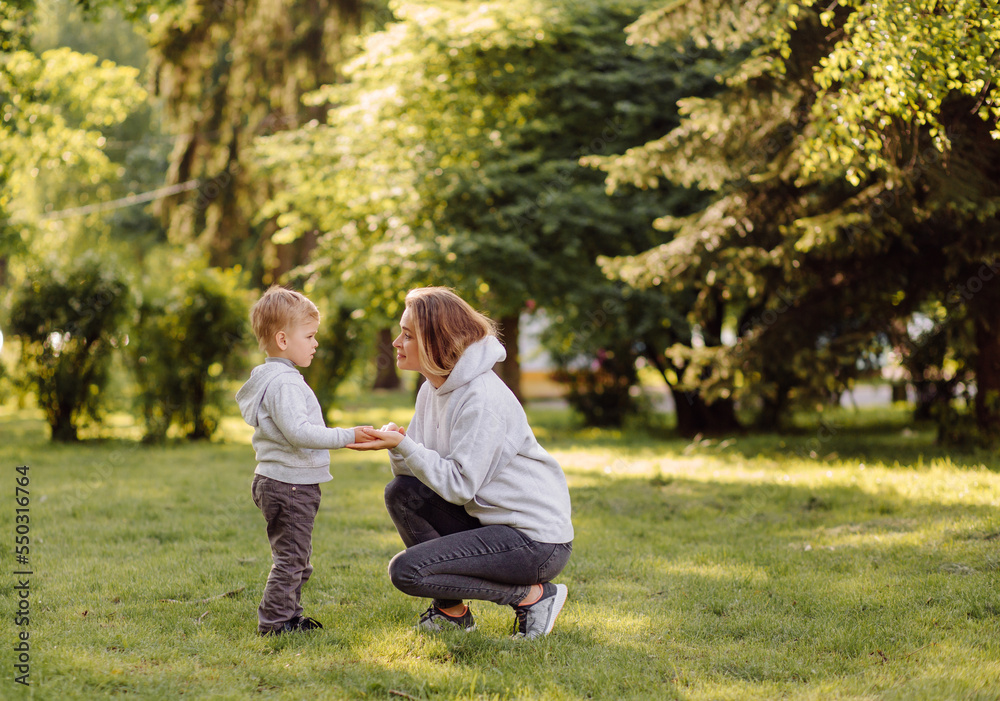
column 298, row 343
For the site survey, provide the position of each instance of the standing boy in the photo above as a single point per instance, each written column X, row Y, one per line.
column 292, row 443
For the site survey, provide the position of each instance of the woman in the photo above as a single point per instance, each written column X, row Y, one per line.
column 483, row 510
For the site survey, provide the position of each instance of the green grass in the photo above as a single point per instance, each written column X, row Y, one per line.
column 849, row 559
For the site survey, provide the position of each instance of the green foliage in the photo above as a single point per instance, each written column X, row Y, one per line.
column 15, row 19
column 136, row 148
column 103, row 32
column 57, row 111
column 601, row 391
column 595, row 338
column 68, row 320
column 891, row 75
column 852, row 156
column 452, row 155
column 228, row 72
column 187, row 341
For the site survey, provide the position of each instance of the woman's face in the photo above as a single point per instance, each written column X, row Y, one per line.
column 407, row 357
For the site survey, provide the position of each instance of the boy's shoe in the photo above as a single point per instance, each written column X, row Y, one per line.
column 294, row 624
column 306, row 623
column 286, row 627
column 434, row 619
column 537, row 619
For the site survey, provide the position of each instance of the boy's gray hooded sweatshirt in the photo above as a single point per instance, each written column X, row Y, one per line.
column 290, row 436
column 470, row 442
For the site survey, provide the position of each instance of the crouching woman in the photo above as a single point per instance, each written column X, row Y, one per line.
column 482, row 508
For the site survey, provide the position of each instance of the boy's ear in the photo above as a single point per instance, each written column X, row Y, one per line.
column 281, row 340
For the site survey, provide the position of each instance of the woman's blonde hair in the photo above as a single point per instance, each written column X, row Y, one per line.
column 444, row 325
column 279, row 309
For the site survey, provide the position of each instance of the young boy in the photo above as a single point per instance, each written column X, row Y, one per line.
column 292, row 443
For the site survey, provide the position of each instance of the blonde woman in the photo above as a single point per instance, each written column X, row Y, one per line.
column 483, row 510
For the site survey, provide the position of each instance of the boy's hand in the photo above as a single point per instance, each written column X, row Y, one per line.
column 360, row 436
column 390, row 437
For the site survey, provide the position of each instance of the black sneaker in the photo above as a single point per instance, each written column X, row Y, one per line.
column 537, row 619
column 294, row 624
column 306, row 623
column 286, row 627
column 434, row 619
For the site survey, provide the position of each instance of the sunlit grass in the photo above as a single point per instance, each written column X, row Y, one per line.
column 754, row 566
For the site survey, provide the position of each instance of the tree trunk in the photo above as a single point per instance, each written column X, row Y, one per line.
column 510, row 369
column 772, row 410
column 201, row 430
column 931, row 396
column 695, row 415
column 63, row 430
column 386, row 376
column 287, row 256
column 899, row 392
column 987, row 365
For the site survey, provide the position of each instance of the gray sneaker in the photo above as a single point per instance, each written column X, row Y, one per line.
column 537, row 620
column 434, row 619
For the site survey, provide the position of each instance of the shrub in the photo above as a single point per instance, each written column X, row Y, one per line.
column 602, row 391
column 68, row 320
column 188, row 338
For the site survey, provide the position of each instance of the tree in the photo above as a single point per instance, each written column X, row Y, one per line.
column 136, row 148
column 68, row 321
column 229, row 71
column 452, row 155
column 854, row 171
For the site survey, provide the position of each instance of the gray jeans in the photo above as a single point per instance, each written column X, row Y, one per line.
column 290, row 510
column 451, row 556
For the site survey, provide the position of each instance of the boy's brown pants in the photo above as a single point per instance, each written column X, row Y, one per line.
column 290, row 510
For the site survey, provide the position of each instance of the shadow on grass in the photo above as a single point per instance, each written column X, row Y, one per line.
column 784, row 584
column 873, row 435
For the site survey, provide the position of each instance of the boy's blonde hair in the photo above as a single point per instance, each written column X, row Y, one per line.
column 444, row 325
column 279, row 309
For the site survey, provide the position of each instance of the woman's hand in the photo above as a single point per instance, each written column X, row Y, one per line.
column 389, row 437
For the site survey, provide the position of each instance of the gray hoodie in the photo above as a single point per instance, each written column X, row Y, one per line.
column 470, row 442
column 290, row 435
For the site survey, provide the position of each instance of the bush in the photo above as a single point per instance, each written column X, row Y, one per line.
column 595, row 341
column 602, row 392
column 188, row 338
column 68, row 321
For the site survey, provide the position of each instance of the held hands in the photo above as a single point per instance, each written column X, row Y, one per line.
column 388, row 437
column 359, row 435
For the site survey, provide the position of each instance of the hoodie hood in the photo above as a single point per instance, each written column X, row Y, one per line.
column 251, row 394
column 479, row 358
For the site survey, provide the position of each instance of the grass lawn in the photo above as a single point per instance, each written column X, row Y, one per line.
column 846, row 560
